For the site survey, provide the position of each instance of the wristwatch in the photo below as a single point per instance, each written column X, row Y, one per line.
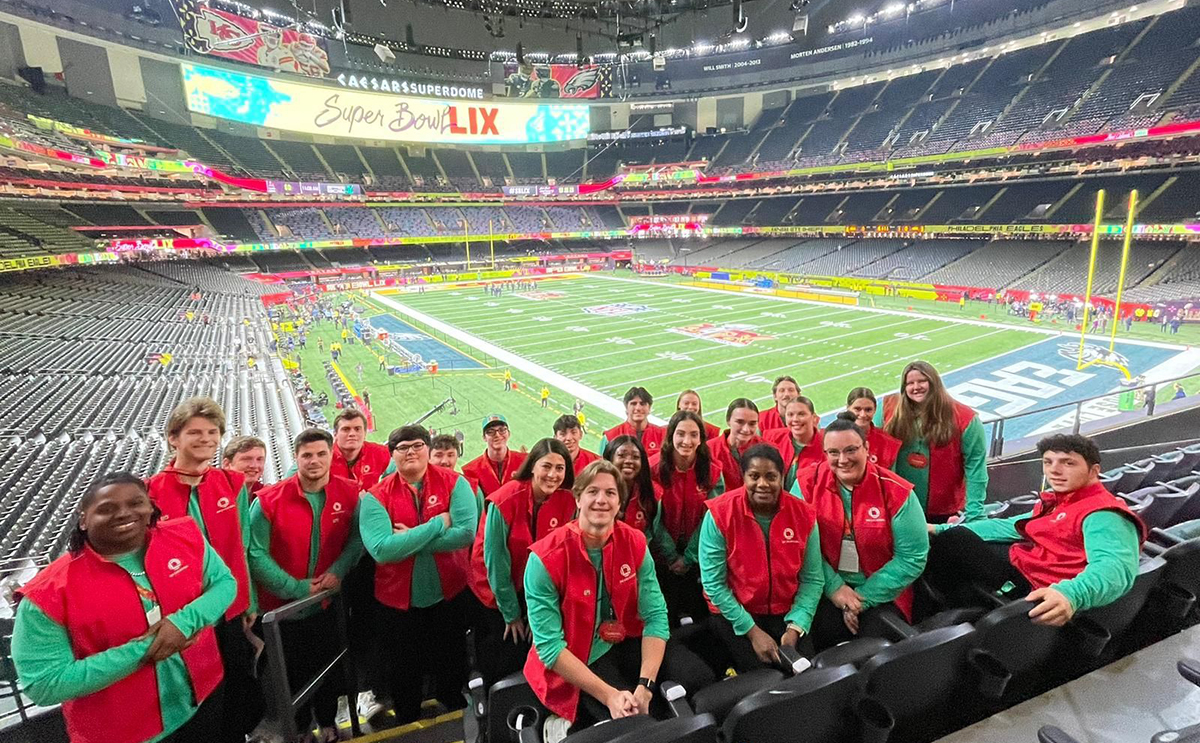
column 648, row 683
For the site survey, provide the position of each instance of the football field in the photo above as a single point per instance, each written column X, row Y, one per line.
column 591, row 337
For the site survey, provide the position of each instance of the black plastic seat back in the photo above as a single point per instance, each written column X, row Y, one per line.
column 1024, row 650
column 855, row 653
column 1167, row 502
column 1187, row 460
column 1117, row 616
column 507, row 693
column 1132, row 476
column 919, row 679
column 813, row 707
column 1189, row 510
column 645, row 729
column 612, row 730
column 719, row 698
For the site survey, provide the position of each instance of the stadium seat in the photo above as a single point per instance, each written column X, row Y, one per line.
column 1096, row 630
column 505, row 696
column 938, row 658
column 816, row 706
column 1019, row 648
column 1178, row 463
column 719, row 698
column 1130, row 477
column 645, row 729
column 854, row 652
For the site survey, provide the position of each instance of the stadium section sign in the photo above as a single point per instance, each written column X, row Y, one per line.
column 207, row 30
column 316, row 109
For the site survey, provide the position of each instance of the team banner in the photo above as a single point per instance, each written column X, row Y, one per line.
column 558, row 81
column 207, row 30
column 337, row 112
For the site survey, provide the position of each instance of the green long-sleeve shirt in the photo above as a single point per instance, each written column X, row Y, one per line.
column 974, row 452
column 665, row 545
column 713, row 574
column 269, row 575
column 1111, row 543
column 421, row 542
column 545, row 609
column 243, row 506
column 910, row 549
column 51, row 674
column 498, row 562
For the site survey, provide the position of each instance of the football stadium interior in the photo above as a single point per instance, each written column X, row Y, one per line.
column 531, row 217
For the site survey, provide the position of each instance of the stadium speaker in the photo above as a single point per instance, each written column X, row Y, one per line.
column 740, row 21
column 35, row 77
column 660, row 63
column 520, row 54
column 578, row 49
column 385, row 55
column 800, row 25
column 408, row 35
column 653, row 44
column 347, row 13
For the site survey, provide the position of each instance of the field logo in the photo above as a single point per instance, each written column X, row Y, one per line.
column 615, row 310
column 1091, row 354
column 541, row 296
column 729, row 335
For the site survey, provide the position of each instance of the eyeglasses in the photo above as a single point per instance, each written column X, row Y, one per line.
column 403, row 449
column 848, row 452
column 496, row 431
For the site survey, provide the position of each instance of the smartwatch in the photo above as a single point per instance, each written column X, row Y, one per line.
column 648, row 683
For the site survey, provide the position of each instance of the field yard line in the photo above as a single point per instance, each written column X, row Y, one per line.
column 589, row 395
column 788, row 348
column 942, row 318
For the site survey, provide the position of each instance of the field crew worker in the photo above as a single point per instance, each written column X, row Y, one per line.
column 355, row 458
column 217, row 500
column 640, row 507
column 1077, row 550
column 689, row 478
column 800, row 442
column 883, row 446
column 873, row 537
column 304, row 540
column 119, row 629
column 944, row 449
column 784, row 390
column 247, row 455
column 497, row 465
column 537, row 501
column 742, row 418
column 760, row 564
column 637, row 412
column 569, row 432
column 418, row 524
column 690, row 400
column 598, row 619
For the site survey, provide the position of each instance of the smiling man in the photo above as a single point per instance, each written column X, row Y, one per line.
column 354, row 457
column 498, row 463
column 247, row 455
column 637, row 422
column 570, row 433
column 1077, row 550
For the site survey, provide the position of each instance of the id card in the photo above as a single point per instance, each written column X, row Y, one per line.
column 848, row 561
column 154, row 614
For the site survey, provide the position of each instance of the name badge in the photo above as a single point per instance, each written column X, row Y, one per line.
column 154, row 615
column 611, row 632
column 848, row 561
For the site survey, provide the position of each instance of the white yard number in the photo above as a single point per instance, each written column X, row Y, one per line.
column 514, row 311
column 772, row 314
column 491, row 304
column 619, row 341
column 916, row 337
column 673, row 356
column 747, row 377
column 831, row 324
column 579, row 329
column 542, row 318
column 472, row 299
column 645, row 295
column 681, row 301
column 721, row 307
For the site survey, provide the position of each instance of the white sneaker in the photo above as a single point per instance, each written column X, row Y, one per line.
column 555, row 729
column 343, row 713
column 368, row 706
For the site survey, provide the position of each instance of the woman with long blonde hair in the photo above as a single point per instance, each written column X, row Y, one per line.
column 943, row 449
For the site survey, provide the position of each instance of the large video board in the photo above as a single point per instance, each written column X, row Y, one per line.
column 337, row 112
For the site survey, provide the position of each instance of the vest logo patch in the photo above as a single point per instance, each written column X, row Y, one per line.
column 337, row 506
column 1060, row 516
column 366, row 469
column 788, row 534
column 432, row 500
column 873, row 512
column 176, row 566
column 224, row 504
column 553, row 523
column 626, row 572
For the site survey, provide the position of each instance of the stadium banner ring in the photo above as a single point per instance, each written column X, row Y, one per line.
column 339, row 112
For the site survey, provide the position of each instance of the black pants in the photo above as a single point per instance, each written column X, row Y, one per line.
column 682, row 593
column 420, row 643
column 205, row 725
column 741, row 651
column 829, row 628
column 959, row 559
column 621, row 667
column 241, row 683
column 495, row 656
column 309, row 644
column 363, row 644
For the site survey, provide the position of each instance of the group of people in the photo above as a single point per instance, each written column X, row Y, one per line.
column 567, row 565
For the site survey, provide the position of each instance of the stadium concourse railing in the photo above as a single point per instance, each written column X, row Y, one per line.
column 1092, row 414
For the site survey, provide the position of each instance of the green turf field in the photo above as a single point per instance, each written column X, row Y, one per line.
column 608, row 332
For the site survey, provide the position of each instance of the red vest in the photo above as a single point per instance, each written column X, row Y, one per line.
column 1053, row 547
column 568, row 565
column 583, row 459
column 764, row 578
column 393, row 580
column 254, row 489
column 652, row 436
column 291, row 519
column 635, row 515
column 683, row 501
column 218, row 491
column 770, row 420
column 481, row 470
column 947, row 488
column 373, row 460
column 711, row 430
column 811, row 455
column 722, row 455
column 515, row 501
column 97, row 603
column 883, row 447
column 872, row 505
